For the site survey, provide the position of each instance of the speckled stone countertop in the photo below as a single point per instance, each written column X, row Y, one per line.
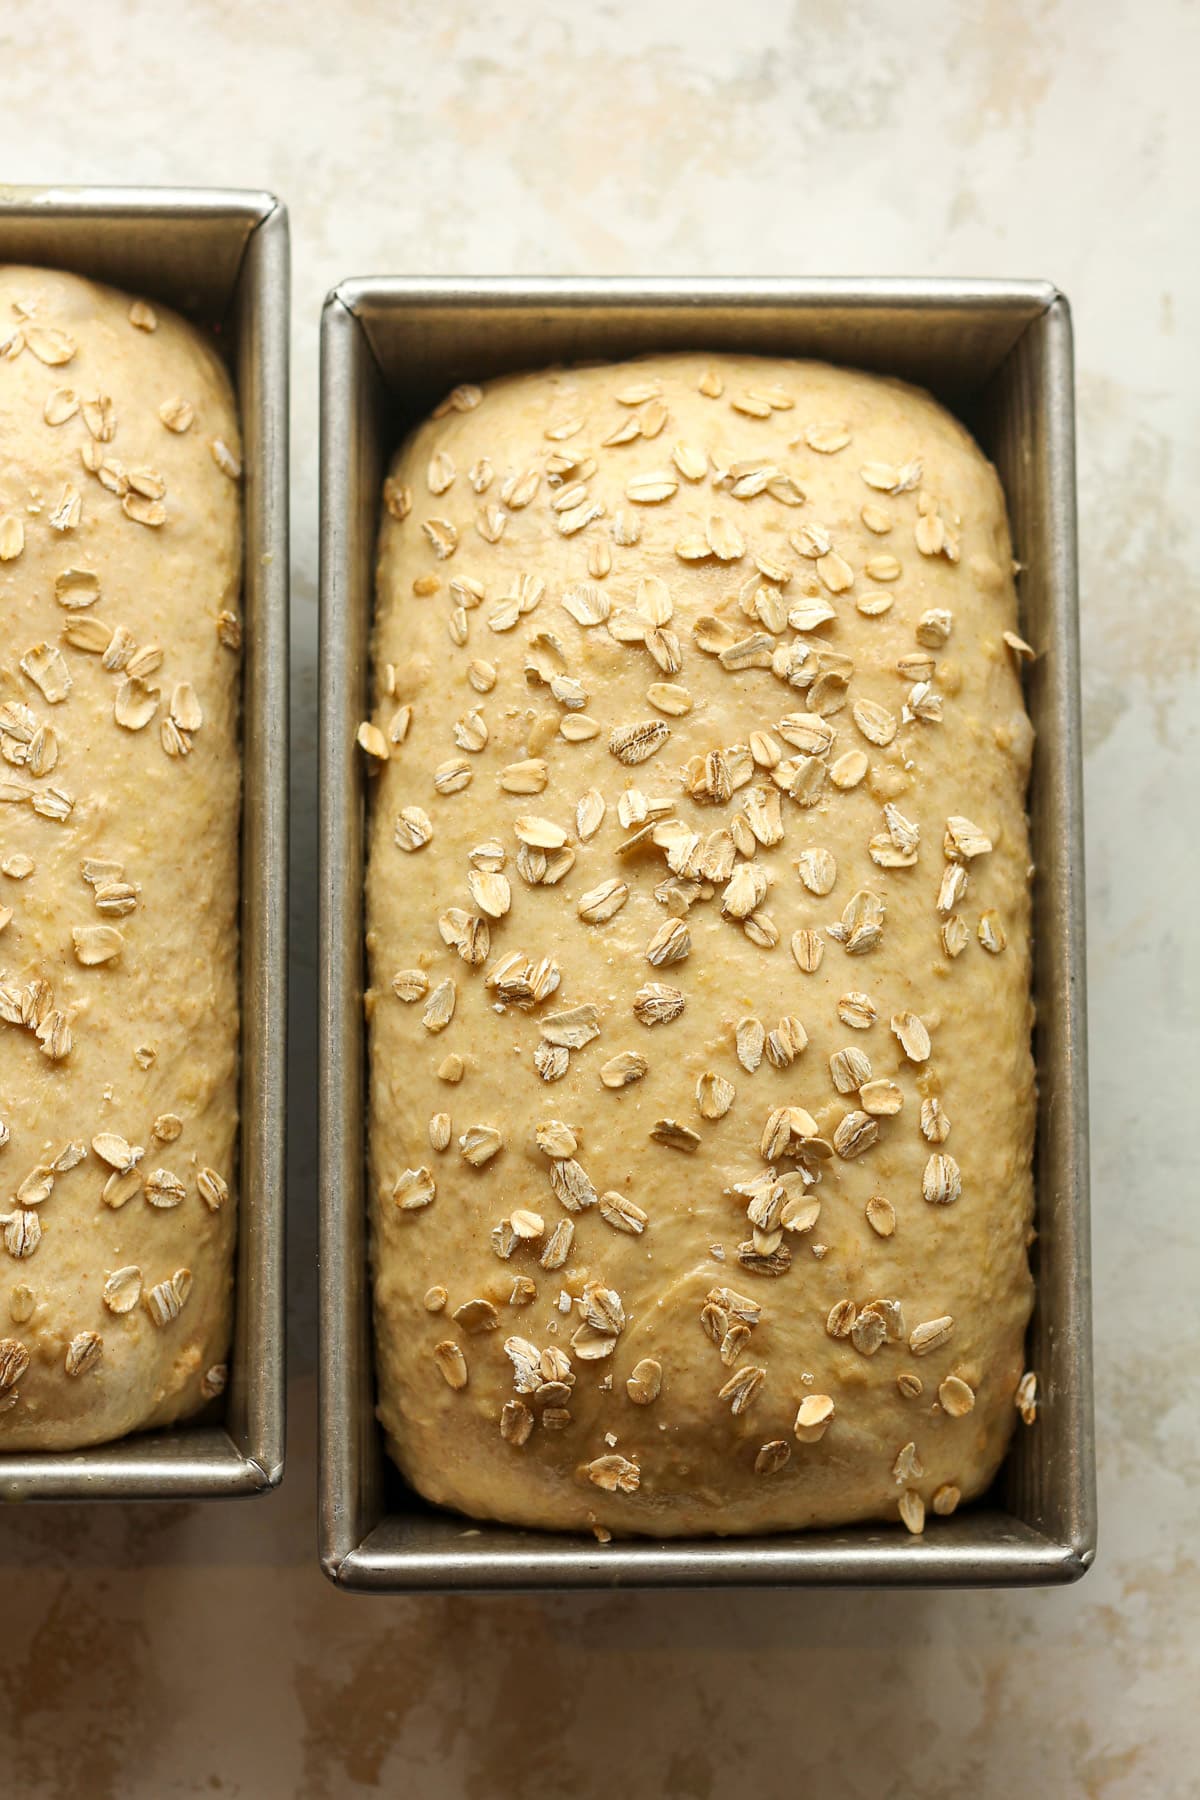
column 149, row 1652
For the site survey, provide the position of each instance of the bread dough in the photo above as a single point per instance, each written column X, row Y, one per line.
column 120, row 545
column 755, row 611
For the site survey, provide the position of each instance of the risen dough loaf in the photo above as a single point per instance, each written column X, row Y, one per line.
column 119, row 797
column 753, row 611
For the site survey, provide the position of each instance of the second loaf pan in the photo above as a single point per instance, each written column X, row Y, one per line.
column 999, row 354
column 220, row 257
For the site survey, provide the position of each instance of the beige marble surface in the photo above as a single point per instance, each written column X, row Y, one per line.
column 148, row 1653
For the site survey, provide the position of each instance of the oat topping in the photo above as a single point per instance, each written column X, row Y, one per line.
column 750, row 1039
column 99, row 415
column 760, row 1261
column 881, row 1099
column 22, row 1231
column 814, row 1417
column 742, row 1387
column 912, row 1511
column 817, row 869
column 123, row 1289
column 135, row 704
column 991, row 931
column 917, row 667
column 964, row 841
column 60, row 405
column 551, row 1061
column 876, row 723
column 451, row 1363
column 855, row 1133
column 714, row 1095
column 912, row 1035
column 772, row 1457
column 671, row 943
column 476, row 1316
column 555, row 1138
column 931, row 1335
column 841, row 1320
column 46, row 668
column 897, row 846
column 49, row 343
column 603, row 902
column 848, row 769
column 114, row 1150
column 951, row 888
column 571, row 1028
column 934, row 627
column 121, row 1187
column 624, row 1069
column 644, row 1384
column 868, row 1333
column 656, row 1003
column 849, row 1068
column 14, row 1360
column 861, row 926
column 163, row 1189
column 439, row 1009
column 827, row 437
column 907, row 1466
column 613, row 1473
column 808, row 947
column 142, row 316
column 527, row 777
column 372, row 742
column 84, row 1352
column 572, row 1186
column 166, row 1299
column 955, row 936
column 480, row 1143
column 881, row 1215
column 941, row 1183
column 603, row 1321
column 214, row 1380
column 922, row 704
column 675, row 1136
column 410, row 984
column 956, row 1396
column 637, row 743
column 786, row 1042
column 96, row 944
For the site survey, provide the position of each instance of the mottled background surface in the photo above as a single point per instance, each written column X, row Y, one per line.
column 156, row 1652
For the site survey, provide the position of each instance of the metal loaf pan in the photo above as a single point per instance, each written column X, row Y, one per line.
column 221, row 257
column 999, row 354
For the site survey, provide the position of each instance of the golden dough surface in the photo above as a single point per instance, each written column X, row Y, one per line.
column 120, row 565
column 701, row 1088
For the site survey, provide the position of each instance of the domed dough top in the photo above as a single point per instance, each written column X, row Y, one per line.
column 702, row 1100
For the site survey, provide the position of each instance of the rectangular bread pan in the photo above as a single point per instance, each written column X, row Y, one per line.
column 219, row 256
column 999, row 354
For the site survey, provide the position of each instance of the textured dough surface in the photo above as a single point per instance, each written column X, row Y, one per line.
column 528, row 1439
column 153, row 1032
